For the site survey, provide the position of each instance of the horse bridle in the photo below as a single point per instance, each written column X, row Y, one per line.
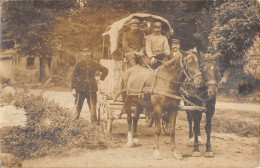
column 184, row 68
column 211, row 82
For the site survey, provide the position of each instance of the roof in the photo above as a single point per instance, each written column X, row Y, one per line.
column 7, row 53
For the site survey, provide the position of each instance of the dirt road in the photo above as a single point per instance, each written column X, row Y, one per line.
column 231, row 150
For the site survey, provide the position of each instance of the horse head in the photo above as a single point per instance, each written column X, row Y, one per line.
column 211, row 74
column 191, row 67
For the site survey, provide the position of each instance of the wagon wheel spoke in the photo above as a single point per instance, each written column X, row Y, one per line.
column 104, row 115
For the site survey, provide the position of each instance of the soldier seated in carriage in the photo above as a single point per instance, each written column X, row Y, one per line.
column 157, row 46
column 134, row 44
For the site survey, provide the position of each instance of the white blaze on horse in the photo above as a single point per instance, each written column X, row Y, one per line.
column 159, row 90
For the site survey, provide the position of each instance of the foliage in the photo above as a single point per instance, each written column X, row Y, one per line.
column 224, row 30
column 50, row 129
column 235, row 27
column 27, row 26
column 252, row 56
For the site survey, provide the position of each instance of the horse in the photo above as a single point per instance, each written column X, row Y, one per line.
column 206, row 97
column 159, row 89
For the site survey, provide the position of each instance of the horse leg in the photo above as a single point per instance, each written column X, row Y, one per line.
column 196, row 152
column 157, row 119
column 129, row 122
column 209, row 115
column 201, row 141
column 172, row 121
column 139, row 109
column 191, row 138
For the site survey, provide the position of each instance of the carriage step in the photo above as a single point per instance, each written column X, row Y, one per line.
column 191, row 107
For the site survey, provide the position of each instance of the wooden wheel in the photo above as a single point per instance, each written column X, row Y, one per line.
column 109, row 126
column 105, row 115
column 166, row 127
column 98, row 112
column 109, row 118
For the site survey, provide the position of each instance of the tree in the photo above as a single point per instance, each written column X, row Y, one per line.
column 27, row 24
column 48, row 27
column 235, row 26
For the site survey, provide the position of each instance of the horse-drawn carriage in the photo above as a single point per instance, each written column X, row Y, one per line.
column 111, row 106
column 164, row 87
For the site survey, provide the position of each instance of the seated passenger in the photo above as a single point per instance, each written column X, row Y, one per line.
column 133, row 43
column 157, row 46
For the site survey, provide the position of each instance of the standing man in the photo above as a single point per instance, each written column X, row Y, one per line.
column 134, row 43
column 157, row 46
column 84, row 83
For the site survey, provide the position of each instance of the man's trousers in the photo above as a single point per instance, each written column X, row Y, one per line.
column 133, row 60
column 91, row 99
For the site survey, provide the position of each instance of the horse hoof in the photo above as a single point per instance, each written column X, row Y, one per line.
column 177, row 155
column 201, row 141
column 157, row 155
column 209, row 154
column 190, row 142
column 136, row 142
column 130, row 144
column 196, row 154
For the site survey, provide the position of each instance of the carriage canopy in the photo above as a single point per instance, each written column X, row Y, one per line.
column 113, row 30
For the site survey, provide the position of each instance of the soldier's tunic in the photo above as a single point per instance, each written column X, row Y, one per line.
column 133, row 41
column 85, row 84
column 157, row 46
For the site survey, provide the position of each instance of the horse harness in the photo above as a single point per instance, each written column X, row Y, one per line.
column 166, row 92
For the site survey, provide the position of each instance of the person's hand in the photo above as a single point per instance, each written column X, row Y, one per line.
column 138, row 53
column 141, row 53
column 97, row 78
column 153, row 60
column 166, row 52
column 74, row 92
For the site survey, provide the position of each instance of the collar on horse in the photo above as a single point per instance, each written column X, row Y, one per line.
column 183, row 67
column 167, row 92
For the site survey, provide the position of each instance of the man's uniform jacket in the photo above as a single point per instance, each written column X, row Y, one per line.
column 83, row 77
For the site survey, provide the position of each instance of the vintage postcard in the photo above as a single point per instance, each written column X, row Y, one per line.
column 151, row 83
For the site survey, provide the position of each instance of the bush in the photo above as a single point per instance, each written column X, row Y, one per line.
column 50, row 129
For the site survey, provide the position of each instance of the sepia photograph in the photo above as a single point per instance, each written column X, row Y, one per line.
column 129, row 84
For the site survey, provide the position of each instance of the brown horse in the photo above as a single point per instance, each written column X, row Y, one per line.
column 205, row 96
column 159, row 90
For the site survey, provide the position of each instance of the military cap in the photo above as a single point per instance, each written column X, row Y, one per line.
column 176, row 41
column 134, row 21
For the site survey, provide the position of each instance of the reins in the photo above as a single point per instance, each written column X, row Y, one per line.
column 166, row 92
column 198, row 97
column 183, row 68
